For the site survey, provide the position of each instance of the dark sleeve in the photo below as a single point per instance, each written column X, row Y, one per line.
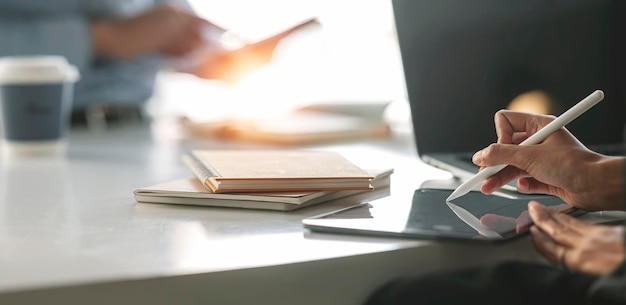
column 610, row 289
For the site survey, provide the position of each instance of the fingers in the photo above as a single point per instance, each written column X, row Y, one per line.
column 579, row 246
column 518, row 137
column 529, row 185
column 522, row 222
column 547, row 247
column 502, row 154
column 552, row 237
column 511, row 154
column 514, row 127
column 595, row 259
column 497, row 223
column 560, row 227
column 525, row 161
column 495, row 182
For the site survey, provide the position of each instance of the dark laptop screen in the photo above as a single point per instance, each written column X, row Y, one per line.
column 464, row 60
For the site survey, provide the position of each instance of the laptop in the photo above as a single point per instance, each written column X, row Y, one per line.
column 465, row 60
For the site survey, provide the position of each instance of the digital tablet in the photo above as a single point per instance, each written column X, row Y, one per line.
column 425, row 214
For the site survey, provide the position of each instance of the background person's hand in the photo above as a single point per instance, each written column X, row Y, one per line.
column 231, row 65
column 579, row 246
column 166, row 29
column 560, row 165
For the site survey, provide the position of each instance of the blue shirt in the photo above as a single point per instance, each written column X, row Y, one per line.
column 61, row 27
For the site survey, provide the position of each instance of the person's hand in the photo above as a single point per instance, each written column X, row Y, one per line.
column 166, row 29
column 521, row 223
column 232, row 64
column 579, row 246
column 560, row 165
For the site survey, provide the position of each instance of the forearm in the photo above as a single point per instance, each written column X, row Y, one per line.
column 68, row 36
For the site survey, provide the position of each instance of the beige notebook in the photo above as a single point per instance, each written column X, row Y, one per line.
column 238, row 171
column 191, row 192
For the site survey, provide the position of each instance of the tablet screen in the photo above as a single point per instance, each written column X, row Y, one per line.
column 425, row 214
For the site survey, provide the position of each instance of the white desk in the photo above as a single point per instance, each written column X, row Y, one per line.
column 71, row 233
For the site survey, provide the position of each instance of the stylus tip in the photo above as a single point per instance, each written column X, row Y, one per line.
column 456, row 194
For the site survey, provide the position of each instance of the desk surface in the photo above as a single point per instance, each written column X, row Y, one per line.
column 71, row 232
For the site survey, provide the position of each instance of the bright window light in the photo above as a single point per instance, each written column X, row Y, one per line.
column 351, row 56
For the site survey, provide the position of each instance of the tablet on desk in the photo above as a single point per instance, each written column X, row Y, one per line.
column 425, row 214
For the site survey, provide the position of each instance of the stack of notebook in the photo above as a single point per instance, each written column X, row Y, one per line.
column 265, row 179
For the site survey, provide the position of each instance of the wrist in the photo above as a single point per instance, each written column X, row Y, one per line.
column 611, row 172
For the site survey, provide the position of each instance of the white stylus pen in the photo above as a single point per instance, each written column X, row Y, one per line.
column 539, row 136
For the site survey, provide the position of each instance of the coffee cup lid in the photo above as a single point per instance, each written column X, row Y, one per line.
column 36, row 70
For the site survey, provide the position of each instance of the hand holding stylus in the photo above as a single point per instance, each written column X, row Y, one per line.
column 536, row 138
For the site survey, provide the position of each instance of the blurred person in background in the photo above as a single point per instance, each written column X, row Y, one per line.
column 119, row 47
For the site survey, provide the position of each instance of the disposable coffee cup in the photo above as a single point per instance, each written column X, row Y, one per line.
column 36, row 95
